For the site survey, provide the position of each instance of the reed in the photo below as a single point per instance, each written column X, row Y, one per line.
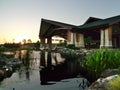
column 101, row 60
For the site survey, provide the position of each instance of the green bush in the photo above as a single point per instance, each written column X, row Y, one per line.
column 114, row 84
column 71, row 46
column 69, row 54
column 2, row 49
column 101, row 60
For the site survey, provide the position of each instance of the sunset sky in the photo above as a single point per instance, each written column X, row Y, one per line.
column 20, row 19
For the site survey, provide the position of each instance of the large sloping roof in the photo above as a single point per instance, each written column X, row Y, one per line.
column 50, row 27
column 100, row 23
column 91, row 19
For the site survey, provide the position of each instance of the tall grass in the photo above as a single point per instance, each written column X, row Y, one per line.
column 101, row 60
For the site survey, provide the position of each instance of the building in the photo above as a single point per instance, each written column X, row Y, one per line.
column 57, row 40
column 95, row 32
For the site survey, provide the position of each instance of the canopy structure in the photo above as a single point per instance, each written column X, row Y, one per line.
column 51, row 28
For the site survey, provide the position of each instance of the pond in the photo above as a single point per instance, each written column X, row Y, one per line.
column 42, row 71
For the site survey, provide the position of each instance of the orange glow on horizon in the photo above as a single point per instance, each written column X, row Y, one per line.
column 20, row 39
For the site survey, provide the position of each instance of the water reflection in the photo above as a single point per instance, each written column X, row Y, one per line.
column 39, row 68
column 49, row 60
column 54, row 56
column 30, row 60
column 58, row 70
column 42, row 59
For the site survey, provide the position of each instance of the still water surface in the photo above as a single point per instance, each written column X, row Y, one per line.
column 28, row 77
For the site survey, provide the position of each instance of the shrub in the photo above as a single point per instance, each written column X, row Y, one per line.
column 71, row 46
column 69, row 54
column 2, row 49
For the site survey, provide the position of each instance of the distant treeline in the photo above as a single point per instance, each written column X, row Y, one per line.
column 12, row 45
column 18, row 45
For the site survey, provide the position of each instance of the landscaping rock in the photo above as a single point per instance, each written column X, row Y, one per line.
column 83, row 83
column 109, row 72
column 101, row 83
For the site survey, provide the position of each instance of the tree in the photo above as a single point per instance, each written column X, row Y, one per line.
column 24, row 41
column 37, row 44
column 29, row 41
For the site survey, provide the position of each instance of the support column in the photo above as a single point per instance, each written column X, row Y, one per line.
column 81, row 43
column 49, row 41
column 42, row 39
column 102, row 38
column 79, row 40
column 108, row 37
column 42, row 45
column 70, row 37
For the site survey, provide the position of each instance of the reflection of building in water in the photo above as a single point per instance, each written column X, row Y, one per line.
column 57, row 40
column 57, row 70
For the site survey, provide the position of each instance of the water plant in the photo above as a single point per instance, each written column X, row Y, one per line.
column 101, row 60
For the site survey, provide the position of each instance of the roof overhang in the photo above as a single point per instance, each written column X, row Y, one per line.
column 100, row 23
column 50, row 28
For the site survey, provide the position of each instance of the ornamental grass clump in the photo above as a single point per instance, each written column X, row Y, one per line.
column 114, row 84
column 101, row 60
